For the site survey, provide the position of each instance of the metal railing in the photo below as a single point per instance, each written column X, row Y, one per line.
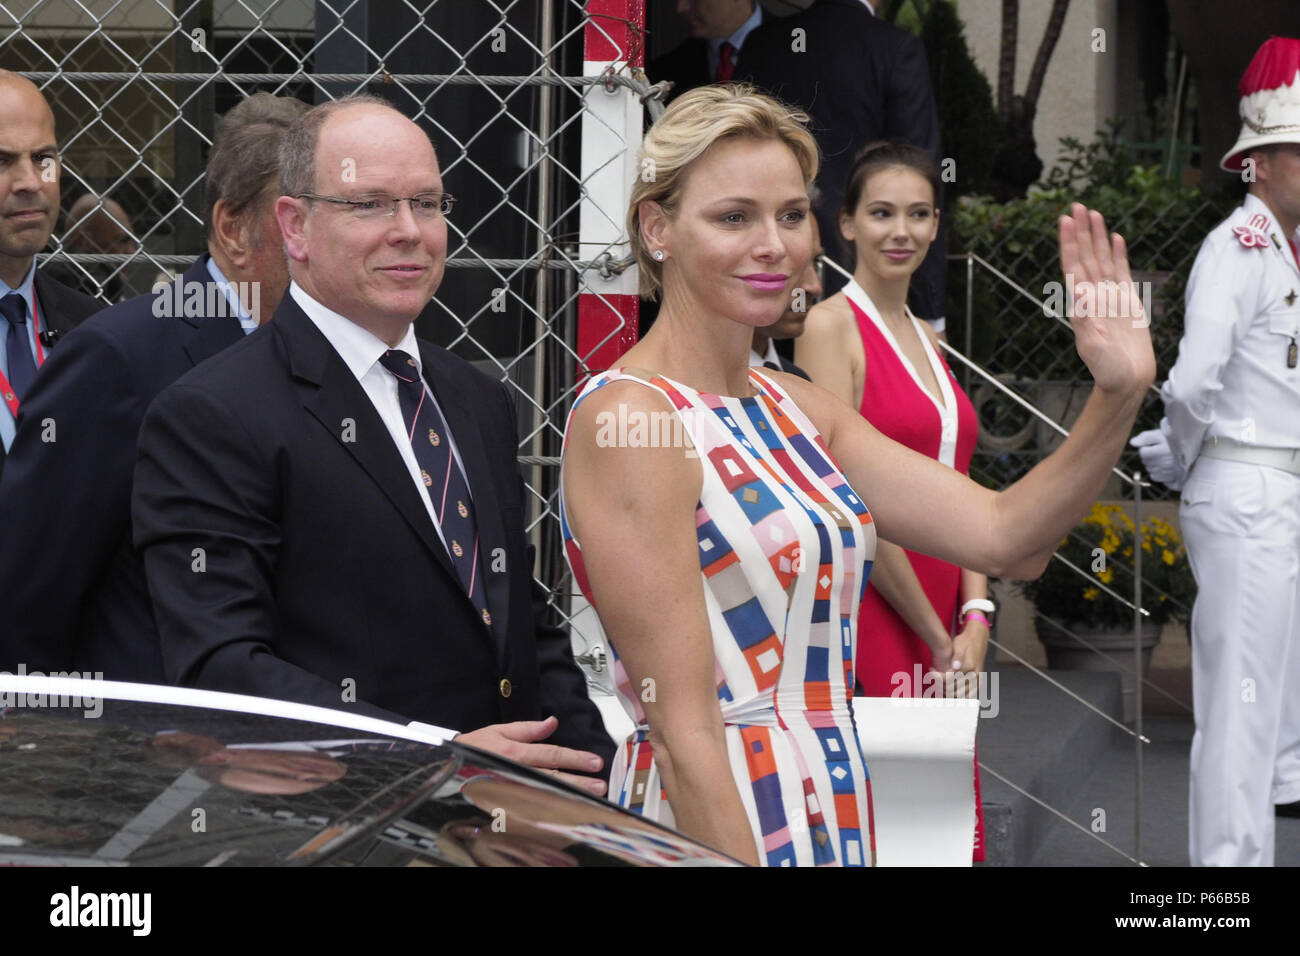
column 1136, row 484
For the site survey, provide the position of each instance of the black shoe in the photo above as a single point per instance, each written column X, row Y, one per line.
column 1291, row 809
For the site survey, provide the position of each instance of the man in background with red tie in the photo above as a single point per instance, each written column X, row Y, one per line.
column 331, row 511
column 35, row 308
column 718, row 30
column 860, row 79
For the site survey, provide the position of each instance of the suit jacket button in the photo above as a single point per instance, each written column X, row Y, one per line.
column 505, row 687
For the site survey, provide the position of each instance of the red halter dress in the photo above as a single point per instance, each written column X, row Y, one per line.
column 896, row 402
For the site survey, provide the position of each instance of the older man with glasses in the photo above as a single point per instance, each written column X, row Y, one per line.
column 331, row 512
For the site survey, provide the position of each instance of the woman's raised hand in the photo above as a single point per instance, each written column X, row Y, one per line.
column 1110, row 324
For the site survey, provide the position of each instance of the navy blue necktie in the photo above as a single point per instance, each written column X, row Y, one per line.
column 443, row 481
column 22, row 367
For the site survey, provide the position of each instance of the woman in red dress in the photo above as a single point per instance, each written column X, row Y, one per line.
column 864, row 345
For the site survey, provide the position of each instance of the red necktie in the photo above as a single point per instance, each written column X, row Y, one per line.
column 726, row 64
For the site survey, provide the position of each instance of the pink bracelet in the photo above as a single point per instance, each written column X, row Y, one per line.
column 979, row 617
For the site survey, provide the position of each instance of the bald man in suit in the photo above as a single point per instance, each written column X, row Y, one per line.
column 36, row 308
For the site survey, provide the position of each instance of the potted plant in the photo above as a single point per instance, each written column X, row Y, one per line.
column 1074, row 612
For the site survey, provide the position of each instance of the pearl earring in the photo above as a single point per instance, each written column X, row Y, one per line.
column 659, row 255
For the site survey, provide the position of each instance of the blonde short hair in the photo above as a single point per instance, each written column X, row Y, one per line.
column 694, row 122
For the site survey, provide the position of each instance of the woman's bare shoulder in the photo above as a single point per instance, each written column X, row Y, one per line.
column 626, row 433
column 629, row 392
column 832, row 314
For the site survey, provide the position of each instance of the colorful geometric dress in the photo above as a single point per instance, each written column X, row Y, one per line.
column 785, row 547
column 893, row 660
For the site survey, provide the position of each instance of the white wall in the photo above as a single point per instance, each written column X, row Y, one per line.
column 1079, row 90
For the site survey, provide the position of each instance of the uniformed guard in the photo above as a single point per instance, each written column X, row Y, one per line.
column 1230, row 440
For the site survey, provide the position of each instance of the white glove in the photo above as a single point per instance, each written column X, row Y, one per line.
column 1158, row 458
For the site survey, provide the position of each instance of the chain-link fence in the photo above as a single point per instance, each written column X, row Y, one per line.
column 1003, row 288
column 1007, row 314
column 501, row 86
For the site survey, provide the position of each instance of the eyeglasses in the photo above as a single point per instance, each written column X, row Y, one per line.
column 423, row 206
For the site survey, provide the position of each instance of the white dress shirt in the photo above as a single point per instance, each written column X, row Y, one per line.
column 246, row 321
column 361, row 351
column 1231, row 379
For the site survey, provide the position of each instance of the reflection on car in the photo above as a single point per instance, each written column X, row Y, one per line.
column 147, row 783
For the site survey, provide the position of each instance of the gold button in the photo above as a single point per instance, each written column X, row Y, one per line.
column 505, row 687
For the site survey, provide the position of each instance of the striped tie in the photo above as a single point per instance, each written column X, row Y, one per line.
column 443, row 481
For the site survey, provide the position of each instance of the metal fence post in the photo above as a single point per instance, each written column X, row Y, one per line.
column 1137, row 664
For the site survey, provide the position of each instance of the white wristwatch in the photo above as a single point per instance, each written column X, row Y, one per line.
column 978, row 604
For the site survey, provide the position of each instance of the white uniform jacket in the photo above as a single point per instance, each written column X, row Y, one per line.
column 1231, row 379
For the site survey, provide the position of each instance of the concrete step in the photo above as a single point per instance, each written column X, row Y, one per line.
column 1047, row 744
column 1110, row 788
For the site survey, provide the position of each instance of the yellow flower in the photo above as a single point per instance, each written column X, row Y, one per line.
column 1105, row 576
column 1146, row 546
column 1090, row 594
column 1167, row 557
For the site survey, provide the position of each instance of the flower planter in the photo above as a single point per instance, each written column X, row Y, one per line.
column 1064, row 652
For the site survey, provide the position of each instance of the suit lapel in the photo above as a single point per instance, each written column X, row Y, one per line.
column 211, row 333
column 699, row 60
column 467, row 430
column 334, row 397
column 59, row 312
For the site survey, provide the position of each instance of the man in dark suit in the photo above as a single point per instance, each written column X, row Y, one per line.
column 331, row 511
column 35, row 308
column 72, row 587
column 860, row 79
column 712, row 52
